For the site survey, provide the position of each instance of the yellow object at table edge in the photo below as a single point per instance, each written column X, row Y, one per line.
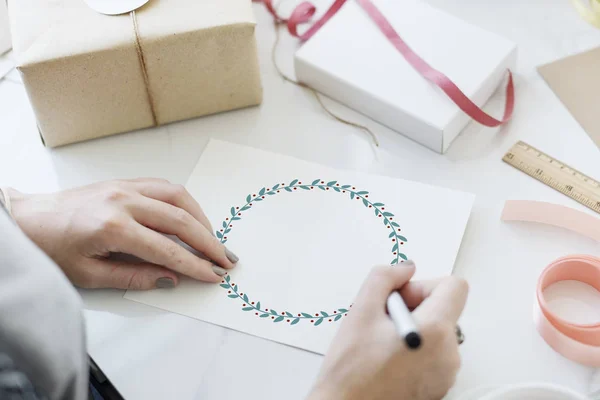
column 591, row 14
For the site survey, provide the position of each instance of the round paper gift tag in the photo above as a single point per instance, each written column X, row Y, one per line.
column 115, row 7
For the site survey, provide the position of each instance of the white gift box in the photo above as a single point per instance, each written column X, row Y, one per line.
column 5, row 43
column 350, row 60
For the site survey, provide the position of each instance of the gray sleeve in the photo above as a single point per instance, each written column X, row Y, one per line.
column 41, row 320
column 14, row 384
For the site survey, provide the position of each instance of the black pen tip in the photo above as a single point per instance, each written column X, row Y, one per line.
column 413, row 340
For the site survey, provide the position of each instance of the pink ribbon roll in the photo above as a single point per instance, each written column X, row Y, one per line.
column 577, row 342
column 304, row 12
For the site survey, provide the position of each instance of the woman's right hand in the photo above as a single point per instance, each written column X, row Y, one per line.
column 367, row 358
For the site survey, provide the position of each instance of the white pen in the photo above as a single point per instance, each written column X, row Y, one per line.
column 402, row 318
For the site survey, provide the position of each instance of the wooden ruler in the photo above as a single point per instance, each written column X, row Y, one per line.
column 556, row 174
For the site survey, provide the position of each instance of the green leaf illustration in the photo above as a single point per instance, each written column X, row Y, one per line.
column 318, row 319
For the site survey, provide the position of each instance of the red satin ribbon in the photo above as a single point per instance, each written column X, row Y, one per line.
column 304, row 12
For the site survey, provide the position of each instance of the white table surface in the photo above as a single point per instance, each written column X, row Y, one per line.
column 150, row 354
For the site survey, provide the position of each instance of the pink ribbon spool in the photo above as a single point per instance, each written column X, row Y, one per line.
column 577, row 342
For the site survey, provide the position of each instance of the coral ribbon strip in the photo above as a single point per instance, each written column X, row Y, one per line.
column 577, row 342
column 304, row 12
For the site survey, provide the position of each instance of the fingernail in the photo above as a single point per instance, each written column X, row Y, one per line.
column 231, row 256
column 408, row 263
column 219, row 271
column 165, row 283
column 212, row 233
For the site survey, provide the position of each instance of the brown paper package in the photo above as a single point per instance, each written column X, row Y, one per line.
column 84, row 71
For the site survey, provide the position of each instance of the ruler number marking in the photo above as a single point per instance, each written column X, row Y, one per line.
column 561, row 177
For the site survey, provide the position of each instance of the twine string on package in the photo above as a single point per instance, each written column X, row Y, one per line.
column 140, row 53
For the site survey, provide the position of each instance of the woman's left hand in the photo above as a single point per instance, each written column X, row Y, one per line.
column 80, row 228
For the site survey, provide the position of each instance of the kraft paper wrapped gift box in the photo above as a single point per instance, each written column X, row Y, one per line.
column 84, row 71
column 351, row 61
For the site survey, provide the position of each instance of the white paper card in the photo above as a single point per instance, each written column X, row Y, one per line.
column 306, row 247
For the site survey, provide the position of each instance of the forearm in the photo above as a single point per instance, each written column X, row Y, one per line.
column 38, row 302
